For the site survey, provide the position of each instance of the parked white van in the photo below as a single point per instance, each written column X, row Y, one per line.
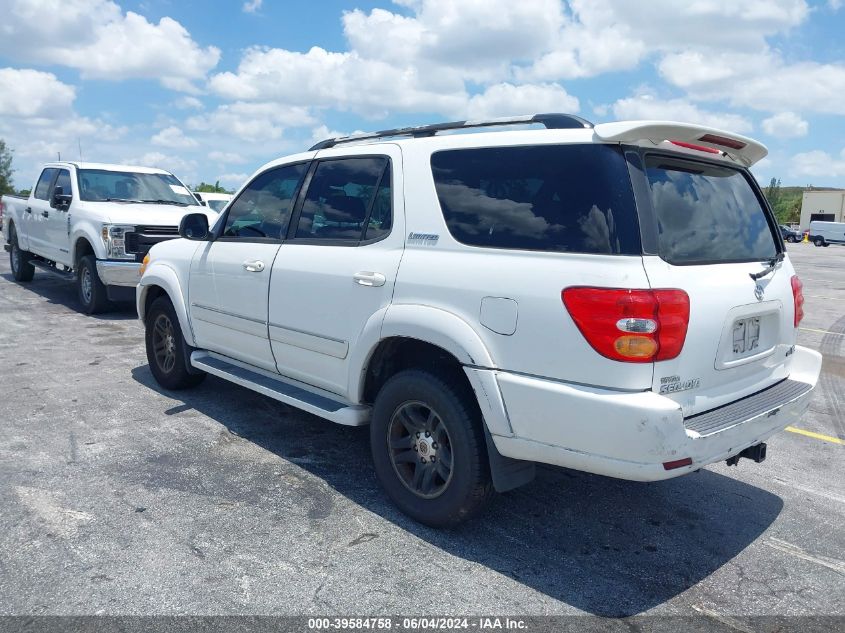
column 827, row 233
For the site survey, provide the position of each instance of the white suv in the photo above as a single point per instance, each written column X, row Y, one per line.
column 612, row 298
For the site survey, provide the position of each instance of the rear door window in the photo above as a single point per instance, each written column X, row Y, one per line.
column 707, row 214
column 42, row 189
column 562, row 198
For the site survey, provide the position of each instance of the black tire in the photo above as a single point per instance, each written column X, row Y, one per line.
column 450, row 495
column 819, row 241
column 22, row 269
column 91, row 291
column 167, row 352
column 790, row 238
column 826, row 244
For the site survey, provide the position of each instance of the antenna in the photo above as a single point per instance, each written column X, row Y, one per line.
column 60, row 156
column 79, row 141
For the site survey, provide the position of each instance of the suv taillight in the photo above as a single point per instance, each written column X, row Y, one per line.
column 635, row 326
column 797, row 299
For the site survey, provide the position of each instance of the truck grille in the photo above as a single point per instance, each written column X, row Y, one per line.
column 143, row 238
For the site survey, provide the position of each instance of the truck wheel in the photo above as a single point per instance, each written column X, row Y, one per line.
column 166, row 353
column 790, row 239
column 22, row 270
column 429, row 450
column 92, row 291
column 819, row 241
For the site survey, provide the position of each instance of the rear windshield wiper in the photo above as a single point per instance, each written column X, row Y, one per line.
column 772, row 262
column 176, row 202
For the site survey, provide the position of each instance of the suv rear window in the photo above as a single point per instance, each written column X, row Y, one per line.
column 564, row 198
column 707, row 214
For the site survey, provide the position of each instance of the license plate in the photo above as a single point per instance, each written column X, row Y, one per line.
column 746, row 335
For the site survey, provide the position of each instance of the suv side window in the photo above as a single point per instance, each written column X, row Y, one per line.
column 263, row 209
column 42, row 189
column 341, row 198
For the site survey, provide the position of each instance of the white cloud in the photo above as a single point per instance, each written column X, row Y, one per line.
column 98, row 39
column 232, row 179
column 184, row 169
column 252, row 6
column 785, row 125
column 507, row 100
column 250, row 121
column 649, row 107
column 834, row 5
column 188, row 103
column 33, row 94
column 818, row 164
column 173, row 137
column 227, row 158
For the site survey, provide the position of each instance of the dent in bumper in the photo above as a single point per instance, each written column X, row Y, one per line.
column 117, row 273
column 630, row 435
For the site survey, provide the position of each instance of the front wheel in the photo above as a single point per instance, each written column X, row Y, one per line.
column 166, row 352
column 91, row 291
column 429, row 450
column 22, row 269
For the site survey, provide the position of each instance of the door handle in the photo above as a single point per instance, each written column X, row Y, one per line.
column 46, row 214
column 28, row 210
column 254, row 267
column 366, row 278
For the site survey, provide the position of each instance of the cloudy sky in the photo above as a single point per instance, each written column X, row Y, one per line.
column 213, row 90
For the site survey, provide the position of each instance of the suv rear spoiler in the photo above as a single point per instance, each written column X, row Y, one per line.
column 739, row 148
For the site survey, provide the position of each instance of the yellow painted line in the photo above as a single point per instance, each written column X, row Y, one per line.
column 809, row 329
column 817, row 436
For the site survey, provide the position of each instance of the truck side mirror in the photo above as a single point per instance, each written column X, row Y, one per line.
column 199, row 199
column 60, row 200
column 194, row 226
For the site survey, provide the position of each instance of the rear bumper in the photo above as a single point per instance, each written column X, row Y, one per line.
column 116, row 273
column 631, row 435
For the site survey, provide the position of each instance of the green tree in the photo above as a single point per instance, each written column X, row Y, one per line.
column 6, row 170
column 204, row 187
column 773, row 192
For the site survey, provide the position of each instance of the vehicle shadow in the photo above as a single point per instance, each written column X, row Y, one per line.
column 607, row 547
column 63, row 293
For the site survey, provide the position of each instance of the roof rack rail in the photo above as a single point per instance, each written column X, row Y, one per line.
column 552, row 121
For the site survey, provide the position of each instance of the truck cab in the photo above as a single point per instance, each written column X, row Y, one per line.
column 92, row 224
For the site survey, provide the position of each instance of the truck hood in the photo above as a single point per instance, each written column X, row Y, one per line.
column 146, row 214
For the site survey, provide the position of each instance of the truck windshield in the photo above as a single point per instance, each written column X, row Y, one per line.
column 707, row 214
column 104, row 185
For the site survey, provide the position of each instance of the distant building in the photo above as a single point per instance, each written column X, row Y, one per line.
column 827, row 205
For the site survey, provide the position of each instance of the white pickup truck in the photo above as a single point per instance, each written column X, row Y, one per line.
column 615, row 299
column 93, row 223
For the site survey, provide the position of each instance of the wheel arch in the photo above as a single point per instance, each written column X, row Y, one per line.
column 160, row 280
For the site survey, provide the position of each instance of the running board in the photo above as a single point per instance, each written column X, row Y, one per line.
column 51, row 268
column 324, row 405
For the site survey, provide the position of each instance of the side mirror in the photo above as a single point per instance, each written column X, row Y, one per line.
column 199, row 199
column 194, row 226
column 60, row 200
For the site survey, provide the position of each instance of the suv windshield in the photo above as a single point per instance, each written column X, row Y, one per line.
column 564, row 198
column 103, row 185
column 707, row 214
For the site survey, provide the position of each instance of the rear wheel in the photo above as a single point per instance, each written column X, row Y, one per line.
column 22, row 269
column 166, row 348
column 819, row 241
column 429, row 450
column 790, row 238
column 91, row 291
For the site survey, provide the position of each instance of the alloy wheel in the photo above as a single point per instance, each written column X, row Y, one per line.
column 420, row 449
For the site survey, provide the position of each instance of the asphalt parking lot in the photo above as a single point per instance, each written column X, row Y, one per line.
column 119, row 498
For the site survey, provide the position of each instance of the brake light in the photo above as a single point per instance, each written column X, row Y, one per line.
column 797, row 299
column 635, row 326
column 698, row 148
column 724, row 141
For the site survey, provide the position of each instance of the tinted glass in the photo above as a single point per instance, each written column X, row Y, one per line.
column 381, row 217
column 217, row 205
column 98, row 185
column 42, row 189
column 707, row 214
column 565, row 198
column 338, row 198
column 63, row 181
column 263, row 208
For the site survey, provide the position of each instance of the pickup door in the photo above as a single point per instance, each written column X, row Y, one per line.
column 57, row 226
column 337, row 268
column 36, row 213
column 230, row 276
